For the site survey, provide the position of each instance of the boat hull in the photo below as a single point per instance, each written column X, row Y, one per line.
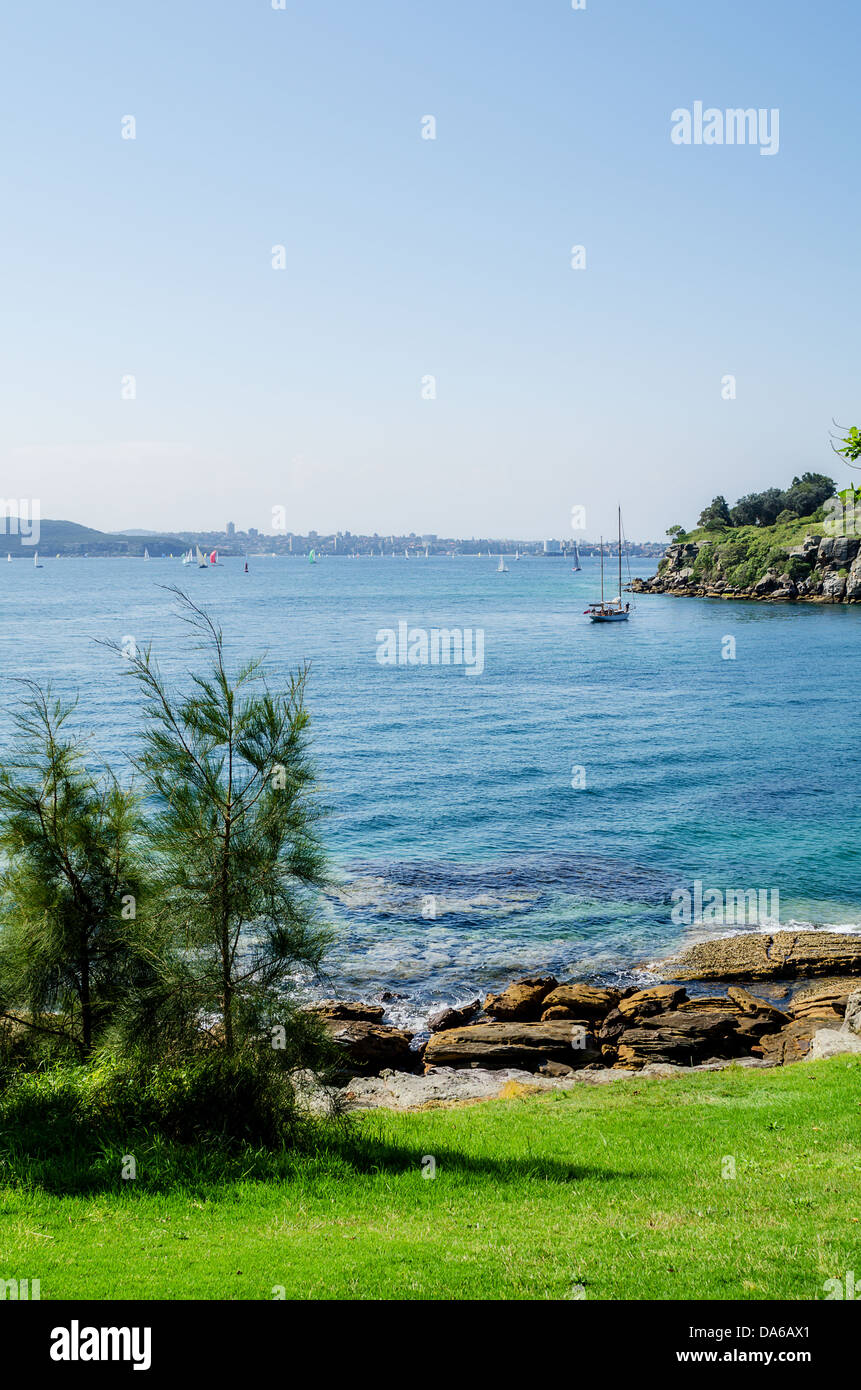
column 609, row 617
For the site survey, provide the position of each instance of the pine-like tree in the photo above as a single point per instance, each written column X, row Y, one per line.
column 237, row 862
column 71, row 886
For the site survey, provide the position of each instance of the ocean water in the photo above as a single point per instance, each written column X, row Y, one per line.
column 463, row 853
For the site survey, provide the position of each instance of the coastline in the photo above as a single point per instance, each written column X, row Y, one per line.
column 750, row 999
column 822, row 569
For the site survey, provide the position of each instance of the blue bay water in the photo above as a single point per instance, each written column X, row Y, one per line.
column 457, row 788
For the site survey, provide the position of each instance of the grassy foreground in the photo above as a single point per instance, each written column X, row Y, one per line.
column 611, row 1192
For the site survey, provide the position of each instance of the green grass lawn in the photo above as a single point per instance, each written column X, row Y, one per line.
column 619, row 1190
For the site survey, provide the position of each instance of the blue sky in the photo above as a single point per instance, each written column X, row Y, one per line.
column 408, row 257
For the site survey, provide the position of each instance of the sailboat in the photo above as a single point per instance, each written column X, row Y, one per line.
column 213, row 559
column 246, row 564
column 312, row 558
column 36, row 562
column 201, row 560
column 8, row 559
column 146, row 553
column 576, row 567
column 502, row 567
column 611, row 611
column 188, row 558
column 517, row 554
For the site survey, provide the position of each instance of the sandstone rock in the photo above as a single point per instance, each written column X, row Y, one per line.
column 684, row 1038
column 370, row 1046
column 581, row 1001
column 512, row 1044
column 767, row 583
column 348, row 1009
column 453, row 1018
column 853, row 580
column 556, row 1069
column 832, row 1042
column 782, row 955
column 708, row 1003
column 521, row 1000
column 852, row 1020
column 793, row 1042
column 834, row 585
column 822, row 997
column 749, row 1005
column 644, row 1002
column 845, row 551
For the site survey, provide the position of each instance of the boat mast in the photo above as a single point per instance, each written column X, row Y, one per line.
column 602, row 571
column 620, row 558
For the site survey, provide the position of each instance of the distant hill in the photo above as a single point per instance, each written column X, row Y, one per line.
column 68, row 538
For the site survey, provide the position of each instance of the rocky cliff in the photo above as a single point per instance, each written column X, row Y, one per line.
column 822, row 569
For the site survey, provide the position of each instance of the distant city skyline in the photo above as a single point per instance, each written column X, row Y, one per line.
column 436, row 269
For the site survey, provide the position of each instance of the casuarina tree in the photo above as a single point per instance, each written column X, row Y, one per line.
column 72, row 942
column 235, row 853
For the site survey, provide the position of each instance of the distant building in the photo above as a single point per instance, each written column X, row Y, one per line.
column 231, row 529
column 252, row 531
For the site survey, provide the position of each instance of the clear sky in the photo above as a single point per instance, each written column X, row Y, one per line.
column 408, row 257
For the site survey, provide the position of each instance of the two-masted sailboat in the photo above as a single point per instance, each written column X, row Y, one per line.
column 611, row 610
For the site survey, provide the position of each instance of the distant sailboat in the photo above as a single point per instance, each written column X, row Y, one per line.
column 246, row 564
column 517, row 554
column 312, row 558
column 576, row 566
column 36, row 562
column 188, row 558
column 8, row 559
column 146, row 553
column 213, row 559
column 502, row 567
column 201, row 560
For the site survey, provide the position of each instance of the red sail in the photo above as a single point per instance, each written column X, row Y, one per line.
column 213, row 559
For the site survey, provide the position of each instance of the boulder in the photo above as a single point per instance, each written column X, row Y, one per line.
column 853, row 579
column 580, row 1001
column 852, row 1019
column 751, row 1007
column 453, row 1018
column 782, row 955
column 644, row 1002
column 767, row 583
column 834, row 586
column 521, row 1000
column 512, row 1044
column 845, row 551
column 348, row 1009
column 793, row 1042
column 681, row 1037
column 832, row 1042
column 370, row 1046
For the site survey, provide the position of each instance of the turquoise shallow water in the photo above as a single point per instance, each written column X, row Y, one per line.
column 741, row 774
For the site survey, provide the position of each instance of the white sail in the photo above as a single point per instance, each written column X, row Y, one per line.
column 201, row 559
